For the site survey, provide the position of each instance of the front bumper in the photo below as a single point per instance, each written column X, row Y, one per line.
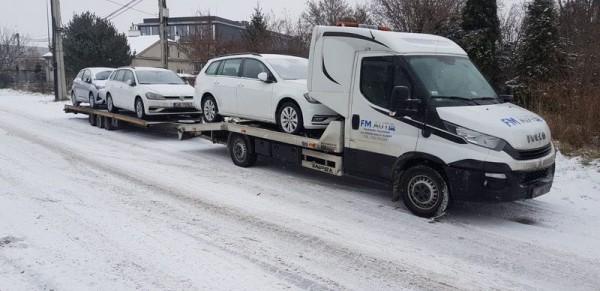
column 159, row 107
column 471, row 180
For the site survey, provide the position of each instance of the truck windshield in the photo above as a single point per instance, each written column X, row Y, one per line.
column 290, row 68
column 158, row 77
column 450, row 77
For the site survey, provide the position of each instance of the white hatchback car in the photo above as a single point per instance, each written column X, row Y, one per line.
column 149, row 91
column 88, row 86
column 267, row 88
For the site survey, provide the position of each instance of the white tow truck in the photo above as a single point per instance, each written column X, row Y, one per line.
column 414, row 112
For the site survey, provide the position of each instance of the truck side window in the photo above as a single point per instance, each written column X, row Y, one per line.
column 378, row 77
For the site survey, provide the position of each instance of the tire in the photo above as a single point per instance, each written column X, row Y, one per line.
column 74, row 99
column 289, row 118
column 139, row 108
column 210, row 110
column 92, row 119
column 241, row 150
column 92, row 101
column 424, row 191
column 110, row 105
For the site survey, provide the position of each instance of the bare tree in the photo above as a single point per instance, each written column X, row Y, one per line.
column 326, row 12
column 12, row 50
column 416, row 15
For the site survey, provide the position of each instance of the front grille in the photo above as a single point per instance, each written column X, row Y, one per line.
column 179, row 97
column 536, row 175
column 528, row 154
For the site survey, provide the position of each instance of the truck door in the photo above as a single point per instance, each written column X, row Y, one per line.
column 379, row 130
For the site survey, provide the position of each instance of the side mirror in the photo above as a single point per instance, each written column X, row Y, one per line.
column 506, row 98
column 263, row 76
column 131, row 83
column 88, row 80
column 401, row 103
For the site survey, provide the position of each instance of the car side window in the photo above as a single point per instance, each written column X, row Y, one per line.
column 119, row 75
column 79, row 75
column 231, row 67
column 213, row 68
column 252, row 68
column 128, row 76
column 86, row 75
column 379, row 76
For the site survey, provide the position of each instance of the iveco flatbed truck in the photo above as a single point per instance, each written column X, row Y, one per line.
column 413, row 112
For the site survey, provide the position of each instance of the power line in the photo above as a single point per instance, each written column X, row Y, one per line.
column 125, row 10
column 119, row 9
column 136, row 9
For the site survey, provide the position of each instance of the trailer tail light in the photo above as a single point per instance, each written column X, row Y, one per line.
column 361, row 25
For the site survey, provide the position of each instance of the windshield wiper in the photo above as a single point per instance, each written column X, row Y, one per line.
column 455, row 98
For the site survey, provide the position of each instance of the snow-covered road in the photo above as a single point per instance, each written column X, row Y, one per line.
column 83, row 208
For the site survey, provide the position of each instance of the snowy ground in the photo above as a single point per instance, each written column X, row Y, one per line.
column 84, row 208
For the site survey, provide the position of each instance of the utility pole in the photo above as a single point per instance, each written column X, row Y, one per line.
column 163, row 15
column 60, row 90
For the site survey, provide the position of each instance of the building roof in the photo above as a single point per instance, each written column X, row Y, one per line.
column 138, row 44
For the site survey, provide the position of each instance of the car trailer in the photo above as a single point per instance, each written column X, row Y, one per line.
column 245, row 139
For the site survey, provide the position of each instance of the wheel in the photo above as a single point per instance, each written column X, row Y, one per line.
column 92, row 100
column 74, row 99
column 289, row 118
column 92, row 119
column 241, row 150
column 424, row 191
column 139, row 108
column 210, row 110
column 109, row 104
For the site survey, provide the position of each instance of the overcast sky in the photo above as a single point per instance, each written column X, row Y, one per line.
column 29, row 16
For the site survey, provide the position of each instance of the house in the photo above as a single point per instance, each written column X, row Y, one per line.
column 220, row 29
column 145, row 50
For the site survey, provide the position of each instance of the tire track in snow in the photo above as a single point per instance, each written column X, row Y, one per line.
column 407, row 276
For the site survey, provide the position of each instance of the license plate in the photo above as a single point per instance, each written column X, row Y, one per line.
column 540, row 190
column 183, row 105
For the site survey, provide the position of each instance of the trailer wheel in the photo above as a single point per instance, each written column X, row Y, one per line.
column 424, row 191
column 92, row 119
column 241, row 150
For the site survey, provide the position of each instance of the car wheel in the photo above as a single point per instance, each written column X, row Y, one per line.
column 241, row 150
column 424, row 191
column 289, row 118
column 139, row 108
column 74, row 100
column 109, row 104
column 210, row 110
column 92, row 100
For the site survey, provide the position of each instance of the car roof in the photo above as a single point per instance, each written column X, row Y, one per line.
column 144, row 69
column 256, row 56
column 99, row 69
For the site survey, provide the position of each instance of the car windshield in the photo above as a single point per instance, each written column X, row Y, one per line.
column 290, row 68
column 450, row 77
column 158, row 77
column 103, row 75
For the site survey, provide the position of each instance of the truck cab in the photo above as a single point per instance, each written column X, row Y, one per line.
column 420, row 115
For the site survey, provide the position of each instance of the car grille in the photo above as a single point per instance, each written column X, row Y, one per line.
column 529, row 154
column 536, row 175
column 179, row 97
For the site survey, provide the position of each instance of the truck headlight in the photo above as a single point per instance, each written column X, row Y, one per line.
column 476, row 137
column 154, row 96
column 310, row 99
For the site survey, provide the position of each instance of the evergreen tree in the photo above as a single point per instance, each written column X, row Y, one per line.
column 481, row 29
column 90, row 41
column 539, row 54
column 257, row 35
